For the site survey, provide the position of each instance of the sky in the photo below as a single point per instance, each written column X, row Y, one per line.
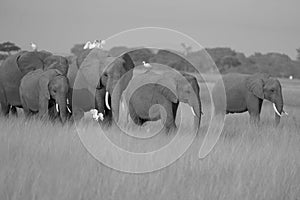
column 246, row 26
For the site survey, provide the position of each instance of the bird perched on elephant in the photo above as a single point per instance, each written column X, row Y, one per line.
column 246, row 93
column 167, row 90
column 40, row 88
column 93, row 78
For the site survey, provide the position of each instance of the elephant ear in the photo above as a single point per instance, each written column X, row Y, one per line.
column 128, row 62
column 167, row 93
column 29, row 61
column 255, row 84
column 43, row 87
column 44, row 80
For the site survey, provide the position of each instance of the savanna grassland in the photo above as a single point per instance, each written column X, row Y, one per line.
column 44, row 160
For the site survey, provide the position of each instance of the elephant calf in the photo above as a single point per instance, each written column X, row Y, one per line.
column 246, row 93
column 39, row 89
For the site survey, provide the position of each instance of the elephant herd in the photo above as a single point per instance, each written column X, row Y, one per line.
column 50, row 85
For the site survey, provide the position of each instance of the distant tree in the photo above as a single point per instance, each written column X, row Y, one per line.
column 187, row 49
column 298, row 54
column 228, row 62
column 9, row 47
column 3, row 56
column 77, row 49
column 172, row 59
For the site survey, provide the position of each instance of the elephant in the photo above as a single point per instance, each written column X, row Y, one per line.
column 94, row 80
column 166, row 89
column 16, row 66
column 39, row 89
column 246, row 93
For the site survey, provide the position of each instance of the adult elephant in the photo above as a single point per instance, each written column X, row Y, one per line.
column 246, row 93
column 40, row 88
column 12, row 71
column 167, row 90
column 109, row 93
column 93, row 78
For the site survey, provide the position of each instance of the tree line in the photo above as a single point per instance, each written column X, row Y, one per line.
column 225, row 58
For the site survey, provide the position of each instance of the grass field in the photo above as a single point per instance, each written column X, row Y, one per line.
column 42, row 160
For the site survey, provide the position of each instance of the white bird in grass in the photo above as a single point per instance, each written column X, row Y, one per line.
column 33, row 46
column 97, row 115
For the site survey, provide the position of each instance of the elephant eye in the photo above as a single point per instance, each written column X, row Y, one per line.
column 272, row 90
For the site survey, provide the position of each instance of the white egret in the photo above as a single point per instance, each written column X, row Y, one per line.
column 33, row 46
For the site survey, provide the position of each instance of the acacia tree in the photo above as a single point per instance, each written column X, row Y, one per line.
column 77, row 49
column 9, row 47
column 298, row 54
column 187, row 49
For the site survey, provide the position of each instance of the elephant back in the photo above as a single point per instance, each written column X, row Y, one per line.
column 9, row 71
column 30, row 61
column 10, row 76
column 91, row 68
column 57, row 62
column 150, row 78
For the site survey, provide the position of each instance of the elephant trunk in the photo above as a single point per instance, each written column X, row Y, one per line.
column 100, row 100
column 278, row 107
column 115, row 101
column 196, row 109
column 62, row 103
column 116, row 93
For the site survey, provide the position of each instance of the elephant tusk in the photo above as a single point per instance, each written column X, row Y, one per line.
column 106, row 100
column 193, row 111
column 69, row 109
column 285, row 113
column 57, row 108
column 276, row 110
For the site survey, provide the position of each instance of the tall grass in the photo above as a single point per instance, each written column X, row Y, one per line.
column 41, row 160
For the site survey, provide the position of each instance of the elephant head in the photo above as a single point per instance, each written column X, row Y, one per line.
column 265, row 87
column 55, row 86
column 112, row 83
column 188, row 91
column 57, row 62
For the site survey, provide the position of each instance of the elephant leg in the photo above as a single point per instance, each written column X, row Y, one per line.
column 174, row 109
column 254, row 119
column 169, row 124
column 13, row 111
column 77, row 114
column 27, row 112
column 254, row 109
column 135, row 118
column 108, row 119
column 5, row 109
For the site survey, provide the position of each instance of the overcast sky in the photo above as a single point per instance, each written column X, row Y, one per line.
column 245, row 25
